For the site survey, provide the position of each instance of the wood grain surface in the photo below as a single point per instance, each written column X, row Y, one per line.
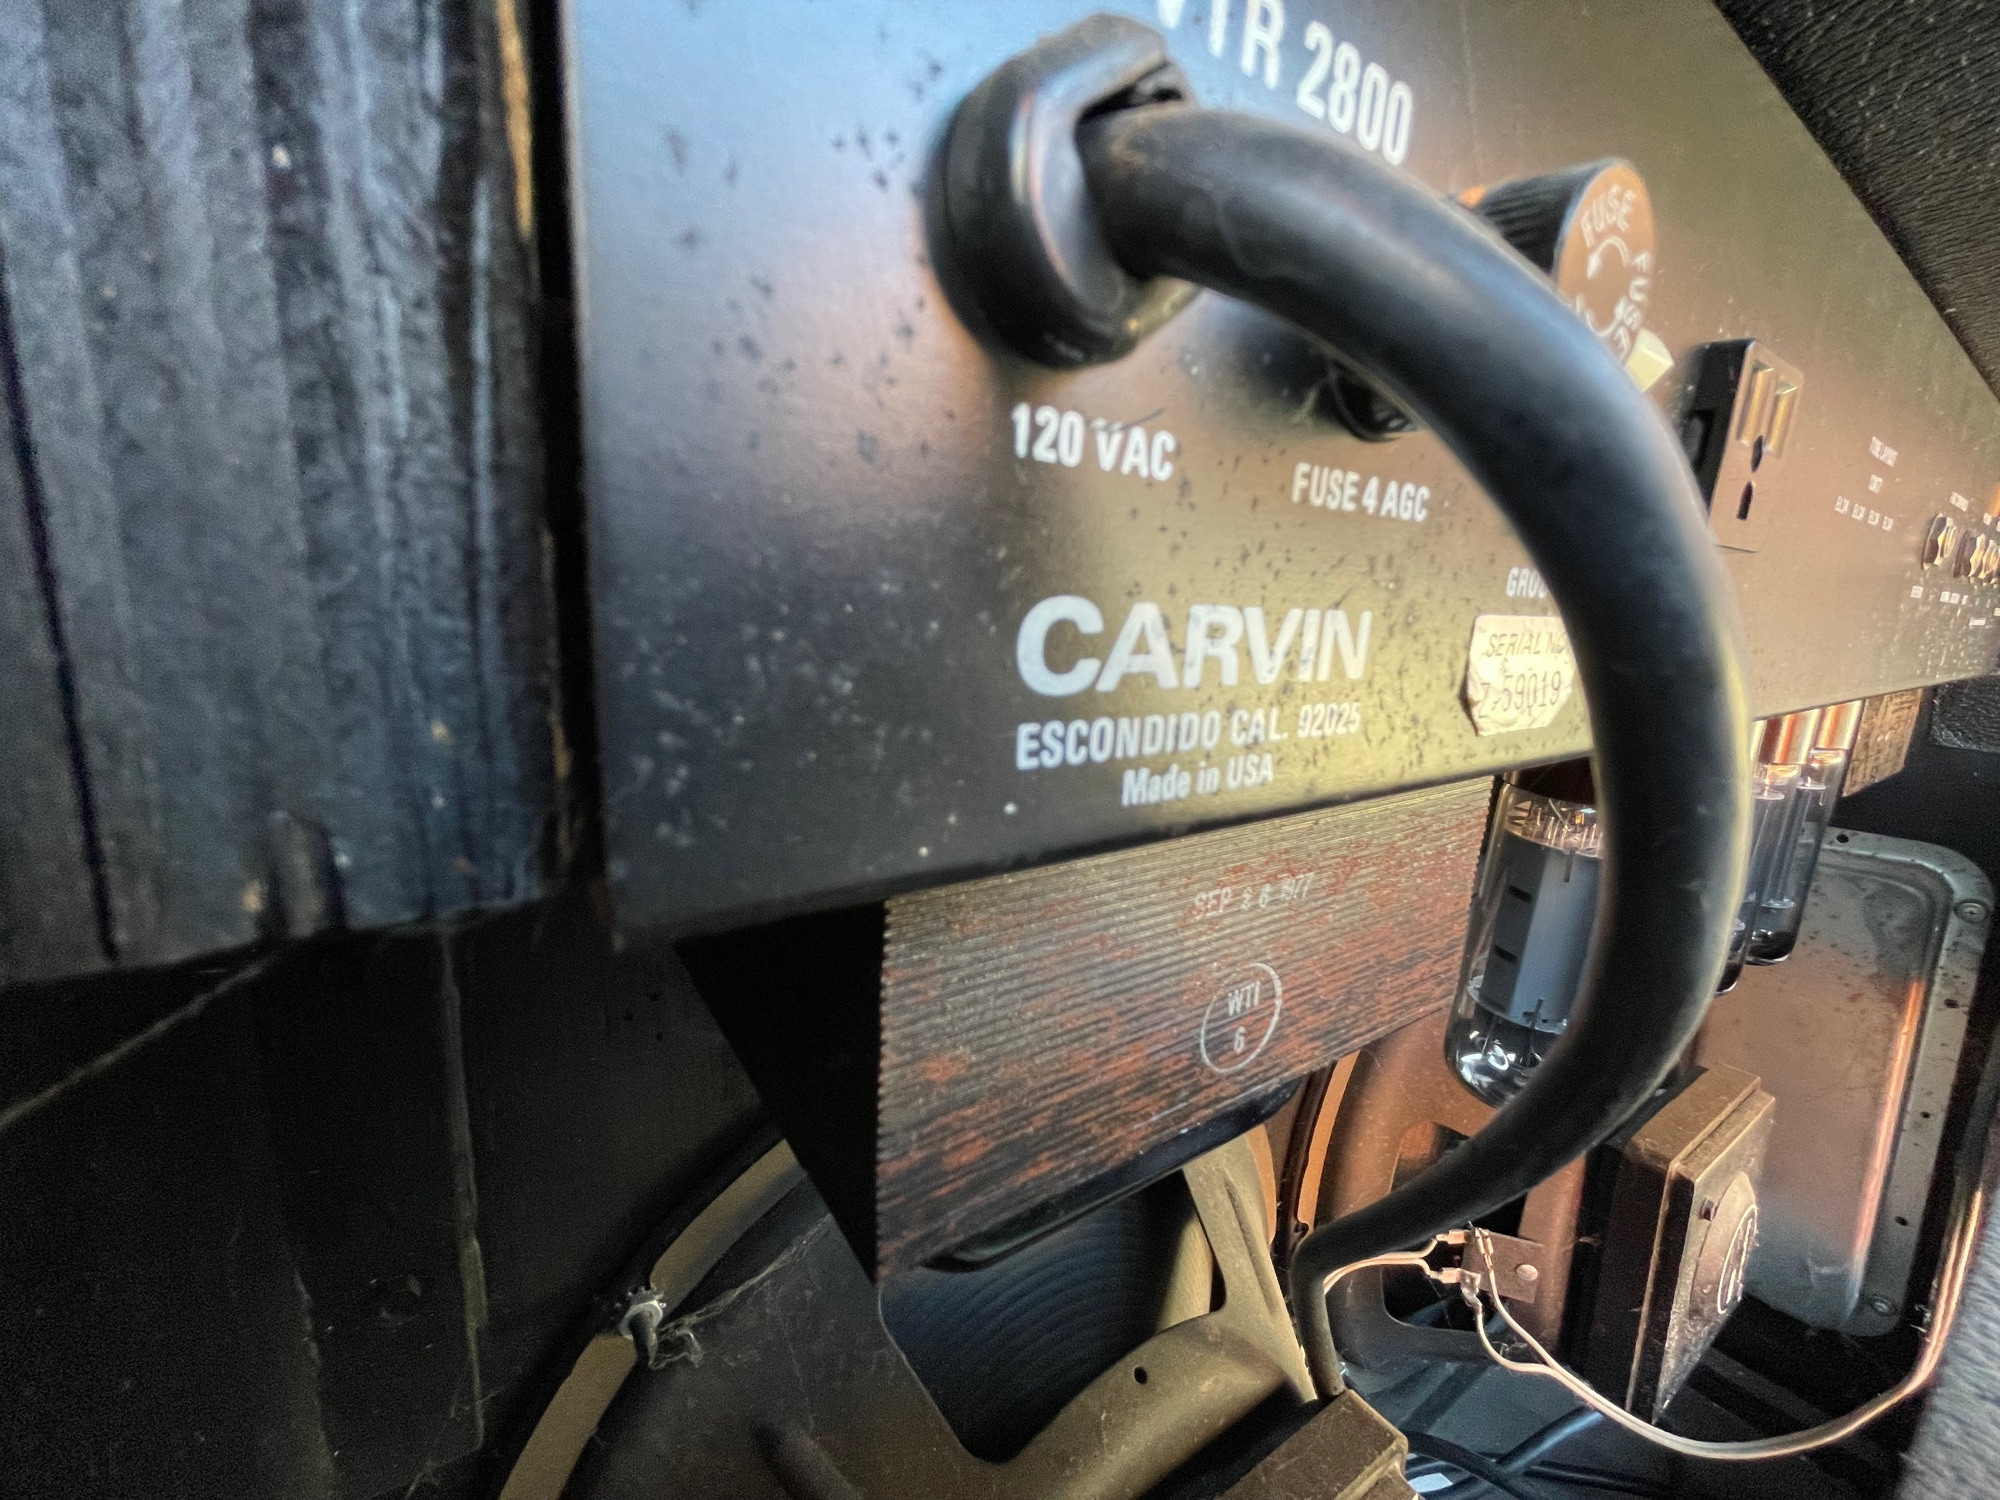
column 276, row 620
column 1042, row 1027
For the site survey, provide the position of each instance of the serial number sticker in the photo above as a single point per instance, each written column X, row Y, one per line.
column 1519, row 672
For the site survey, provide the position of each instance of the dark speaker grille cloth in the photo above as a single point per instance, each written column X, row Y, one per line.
column 1966, row 715
column 1905, row 98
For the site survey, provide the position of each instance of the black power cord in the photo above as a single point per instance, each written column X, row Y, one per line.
column 1537, row 1446
column 1486, row 1470
column 1563, row 1477
column 1083, row 197
column 1463, row 333
column 1525, row 1455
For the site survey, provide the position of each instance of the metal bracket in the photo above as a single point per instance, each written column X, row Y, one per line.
column 1510, row 1265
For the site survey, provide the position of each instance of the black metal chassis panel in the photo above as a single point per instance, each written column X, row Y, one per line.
column 815, row 537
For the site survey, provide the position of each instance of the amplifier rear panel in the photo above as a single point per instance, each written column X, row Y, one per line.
column 879, row 607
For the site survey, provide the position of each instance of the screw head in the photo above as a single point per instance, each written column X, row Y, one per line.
column 1972, row 911
column 1882, row 1305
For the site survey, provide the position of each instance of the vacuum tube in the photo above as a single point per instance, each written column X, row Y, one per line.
column 1782, row 746
column 1536, row 898
column 1531, row 920
column 1775, row 928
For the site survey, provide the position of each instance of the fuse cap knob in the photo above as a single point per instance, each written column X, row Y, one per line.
column 1590, row 228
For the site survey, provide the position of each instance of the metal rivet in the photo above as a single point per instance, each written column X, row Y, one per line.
column 1882, row 1305
column 1972, row 911
column 1528, row 1274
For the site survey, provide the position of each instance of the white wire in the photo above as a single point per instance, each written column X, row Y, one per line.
column 1417, row 1258
column 1948, row 1285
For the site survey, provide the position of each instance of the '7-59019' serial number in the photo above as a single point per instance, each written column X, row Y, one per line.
column 1525, row 692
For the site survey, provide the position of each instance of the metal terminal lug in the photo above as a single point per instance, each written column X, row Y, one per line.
column 1939, row 541
column 1967, row 557
column 1506, row 1264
